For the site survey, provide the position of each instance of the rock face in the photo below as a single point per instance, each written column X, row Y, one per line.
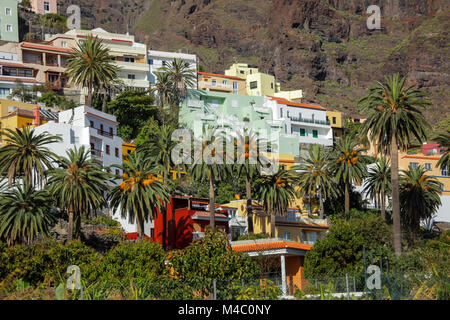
column 320, row 46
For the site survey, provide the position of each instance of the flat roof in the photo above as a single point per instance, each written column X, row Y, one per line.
column 219, row 75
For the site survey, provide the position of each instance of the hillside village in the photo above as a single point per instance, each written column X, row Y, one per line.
column 101, row 134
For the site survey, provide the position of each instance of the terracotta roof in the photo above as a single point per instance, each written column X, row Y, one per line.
column 20, row 79
column 296, row 104
column 270, row 245
column 421, row 157
column 219, row 75
column 45, row 47
column 18, row 65
column 206, row 214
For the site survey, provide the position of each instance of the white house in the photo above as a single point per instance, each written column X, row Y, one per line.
column 158, row 59
column 308, row 122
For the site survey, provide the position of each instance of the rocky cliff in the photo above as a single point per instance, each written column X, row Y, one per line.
column 320, row 46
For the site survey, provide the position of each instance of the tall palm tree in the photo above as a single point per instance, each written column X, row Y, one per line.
column 394, row 118
column 419, row 197
column 90, row 65
column 163, row 88
column 378, row 183
column 348, row 165
column 182, row 76
column 314, row 176
column 142, row 194
column 205, row 168
column 248, row 163
column 275, row 192
column 159, row 147
column 78, row 185
column 25, row 213
column 444, row 142
column 25, row 153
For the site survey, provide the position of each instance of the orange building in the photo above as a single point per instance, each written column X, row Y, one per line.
column 221, row 83
column 286, row 256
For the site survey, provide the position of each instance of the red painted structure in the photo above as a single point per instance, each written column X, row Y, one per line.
column 185, row 217
column 432, row 148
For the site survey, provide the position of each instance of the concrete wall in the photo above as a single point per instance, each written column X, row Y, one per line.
column 10, row 19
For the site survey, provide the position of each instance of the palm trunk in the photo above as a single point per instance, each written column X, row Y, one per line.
column 395, row 197
column 140, row 228
column 321, row 204
column 310, row 205
column 383, row 205
column 89, row 100
column 212, row 209
column 347, row 197
column 248, row 190
column 164, row 216
column 272, row 223
column 70, row 226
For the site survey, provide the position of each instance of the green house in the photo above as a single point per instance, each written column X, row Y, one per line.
column 9, row 21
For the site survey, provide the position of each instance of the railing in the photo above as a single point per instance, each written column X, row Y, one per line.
column 300, row 220
column 97, row 153
column 218, row 85
column 305, row 120
column 105, row 133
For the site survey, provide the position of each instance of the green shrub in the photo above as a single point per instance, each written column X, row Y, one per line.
column 253, row 236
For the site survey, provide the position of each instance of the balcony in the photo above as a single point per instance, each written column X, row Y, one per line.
column 294, row 219
column 105, row 133
column 218, row 86
column 312, row 121
column 96, row 153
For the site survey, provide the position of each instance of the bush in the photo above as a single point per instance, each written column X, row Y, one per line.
column 253, row 236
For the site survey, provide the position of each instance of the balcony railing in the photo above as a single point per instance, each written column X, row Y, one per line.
column 105, row 133
column 97, row 153
column 295, row 219
column 305, row 120
column 218, row 86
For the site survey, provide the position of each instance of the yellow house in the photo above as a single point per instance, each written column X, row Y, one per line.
column 290, row 227
column 14, row 114
column 221, row 83
column 336, row 120
column 127, row 148
column 261, row 84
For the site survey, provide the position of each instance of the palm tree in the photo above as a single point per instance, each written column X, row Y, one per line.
column 25, row 213
column 444, row 142
column 419, row 197
column 314, row 176
column 142, row 194
column 393, row 119
column 248, row 164
column 275, row 191
column 205, row 168
column 159, row 147
column 24, row 153
column 90, row 65
column 348, row 165
column 163, row 88
column 378, row 183
column 78, row 185
column 182, row 76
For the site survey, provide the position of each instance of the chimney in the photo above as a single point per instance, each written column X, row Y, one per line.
column 37, row 116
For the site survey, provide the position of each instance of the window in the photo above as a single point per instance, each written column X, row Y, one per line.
column 111, row 131
column 235, row 87
column 271, row 85
column 117, row 172
column 4, row 92
column 91, row 124
column 302, row 132
column 101, row 127
column 242, row 72
column 64, row 44
column 116, row 152
column 150, row 61
column 334, row 120
column 46, row 7
column 9, row 28
column 445, row 172
column 253, row 84
column 131, row 76
column 224, row 81
column 107, row 149
column 315, row 134
column 129, row 59
column 8, row 11
column 234, row 103
column 428, row 166
column 413, row 164
column 287, row 235
column 214, row 82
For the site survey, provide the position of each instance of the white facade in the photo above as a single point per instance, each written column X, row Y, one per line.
column 88, row 127
column 309, row 124
column 157, row 59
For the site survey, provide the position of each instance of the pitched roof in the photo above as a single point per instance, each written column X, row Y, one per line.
column 296, row 104
column 45, row 47
column 219, row 75
column 268, row 244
